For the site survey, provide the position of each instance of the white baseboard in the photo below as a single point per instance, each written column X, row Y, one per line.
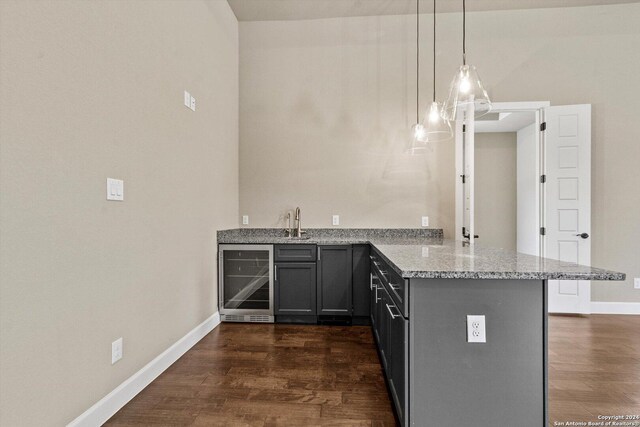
column 598, row 307
column 104, row 409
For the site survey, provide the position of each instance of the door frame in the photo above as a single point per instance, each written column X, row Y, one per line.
column 466, row 139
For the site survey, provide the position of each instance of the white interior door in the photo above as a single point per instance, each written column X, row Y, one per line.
column 568, row 201
column 465, row 157
column 528, row 171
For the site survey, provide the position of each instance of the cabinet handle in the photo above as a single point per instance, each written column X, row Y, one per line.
column 318, row 250
column 275, row 273
column 377, row 299
column 394, row 286
column 393, row 316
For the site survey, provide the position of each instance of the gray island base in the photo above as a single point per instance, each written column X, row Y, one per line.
column 421, row 288
column 498, row 383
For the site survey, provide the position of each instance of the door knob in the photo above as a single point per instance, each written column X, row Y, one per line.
column 583, row 235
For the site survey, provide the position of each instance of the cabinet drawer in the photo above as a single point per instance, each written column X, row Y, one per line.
column 293, row 253
column 392, row 281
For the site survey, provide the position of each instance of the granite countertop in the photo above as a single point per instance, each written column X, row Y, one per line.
column 425, row 254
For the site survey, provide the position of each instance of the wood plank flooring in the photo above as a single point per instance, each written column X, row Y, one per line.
column 269, row 376
column 594, row 367
column 286, row 375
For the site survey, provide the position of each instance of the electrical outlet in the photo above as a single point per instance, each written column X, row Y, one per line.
column 425, row 221
column 116, row 350
column 336, row 220
column 476, row 331
column 425, row 251
column 193, row 104
column 245, row 219
column 636, row 283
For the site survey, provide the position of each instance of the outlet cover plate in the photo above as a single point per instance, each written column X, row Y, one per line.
column 425, row 221
column 476, row 329
column 636, row 283
column 245, row 219
column 116, row 350
column 336, row 220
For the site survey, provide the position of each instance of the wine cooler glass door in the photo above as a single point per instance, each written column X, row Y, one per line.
column 247, row 280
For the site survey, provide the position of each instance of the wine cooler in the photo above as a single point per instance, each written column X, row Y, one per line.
column 246, row 283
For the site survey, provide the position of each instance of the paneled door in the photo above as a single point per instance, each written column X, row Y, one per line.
column 568, row 201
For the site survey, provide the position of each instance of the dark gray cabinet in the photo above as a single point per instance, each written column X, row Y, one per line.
column 295, row 288
column 361, row 282
column 334, row 283
column 382, row 323
column 373, row 301
column 398, row 362
column 391, row 331
column 294, row 253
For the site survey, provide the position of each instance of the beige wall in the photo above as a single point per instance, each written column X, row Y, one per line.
column 90, row 90
column 324, row 117
column 496, row 189
column 326, row 105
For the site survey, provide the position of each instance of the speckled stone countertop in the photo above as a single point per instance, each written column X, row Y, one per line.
column 326, row 236
column 424, row 254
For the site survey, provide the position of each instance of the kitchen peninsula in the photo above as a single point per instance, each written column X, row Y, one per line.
column 461, row 330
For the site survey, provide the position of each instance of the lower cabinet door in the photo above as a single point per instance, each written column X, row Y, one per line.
column 373, row 299
column 295, row 288
column 382, row 326
column 361, row 283
column 398, row 349
column 335, row 280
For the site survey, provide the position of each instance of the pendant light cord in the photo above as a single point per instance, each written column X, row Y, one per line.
column 464, row 32
column 417, row 60
column 434, row 50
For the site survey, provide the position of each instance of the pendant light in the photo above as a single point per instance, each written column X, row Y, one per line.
column 466, row 87
column 418, row 132
column 437, row 128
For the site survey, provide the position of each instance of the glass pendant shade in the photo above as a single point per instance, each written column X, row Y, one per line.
column 436, row 127
column 466, row 88
column 419, row 132
column 418, row 140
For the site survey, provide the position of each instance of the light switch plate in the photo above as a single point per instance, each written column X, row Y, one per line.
column 245, row 219
column 116, row 350
column 336, row 220
column 476, row 329
column 425, row 221
column 636, row 283
column 115, row 189
column 187, row 99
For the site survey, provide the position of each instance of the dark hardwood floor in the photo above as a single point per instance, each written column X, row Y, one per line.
column 269, row 375
column 285, row 375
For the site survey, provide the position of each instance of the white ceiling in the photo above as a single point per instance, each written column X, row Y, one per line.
column 286, row 10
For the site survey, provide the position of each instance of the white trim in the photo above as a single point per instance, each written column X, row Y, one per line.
column 518, row 106
column 104, row 409
column 599, row 307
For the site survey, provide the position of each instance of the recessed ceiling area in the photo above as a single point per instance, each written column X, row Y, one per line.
column 504, row 121
column 287, row 10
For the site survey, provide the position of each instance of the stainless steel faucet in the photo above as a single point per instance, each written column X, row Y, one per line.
column 288, row 232
column 299, row 231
